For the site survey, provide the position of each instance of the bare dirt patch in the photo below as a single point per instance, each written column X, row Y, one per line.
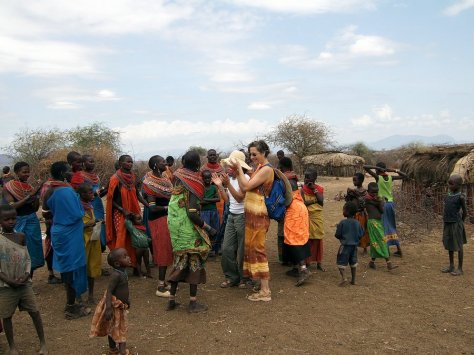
column 413, row 309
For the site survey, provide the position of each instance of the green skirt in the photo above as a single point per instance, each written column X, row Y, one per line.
column 378, row 245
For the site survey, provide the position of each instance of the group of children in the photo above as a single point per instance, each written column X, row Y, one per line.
column 368, row 223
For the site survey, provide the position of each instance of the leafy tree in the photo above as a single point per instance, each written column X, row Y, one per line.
column 362, row 150
column 34, row 145
column 301, row 136
column 201, row 150
column 93, row 137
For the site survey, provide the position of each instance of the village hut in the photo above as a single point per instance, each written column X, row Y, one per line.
column 334, row 164
column 429, row 171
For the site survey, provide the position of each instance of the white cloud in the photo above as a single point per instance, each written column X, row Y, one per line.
column 259, row 106
column 45, row 58
column 362, row 121
column 231, row 77
column 178, row 135
column 305, row 7
column 343, row 50
column 66, row 98
column 458, row 7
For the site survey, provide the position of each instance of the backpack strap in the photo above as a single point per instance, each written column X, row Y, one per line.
column 288, row 189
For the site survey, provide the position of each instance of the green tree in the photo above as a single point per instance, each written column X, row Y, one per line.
column 301, row 136
column 95, row 136
column 201, row 150
column 34, row 145
column 362, row 150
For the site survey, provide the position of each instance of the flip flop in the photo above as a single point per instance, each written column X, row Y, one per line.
column 227, row 284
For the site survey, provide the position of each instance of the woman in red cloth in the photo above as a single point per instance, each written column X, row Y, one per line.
column 157, row 191
column 122, row 200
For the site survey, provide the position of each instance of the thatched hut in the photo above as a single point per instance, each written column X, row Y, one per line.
column 334, row 164
column 429, row 171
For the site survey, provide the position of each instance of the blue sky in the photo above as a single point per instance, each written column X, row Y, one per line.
column 170, row 74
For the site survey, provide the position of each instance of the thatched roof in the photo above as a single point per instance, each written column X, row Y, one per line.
column 333, row 159
column 435, row 165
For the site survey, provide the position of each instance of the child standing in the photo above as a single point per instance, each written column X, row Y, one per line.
column 454, row 234
column 385, row 186
column 209, row 213
column 374, row 206
column 357, row 195
column 140, row 241
column 110, row 317
column 348, row 231
column 15, row 282
column 93, row 247
column 313, row 197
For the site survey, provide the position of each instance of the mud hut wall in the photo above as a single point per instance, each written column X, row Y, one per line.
column 338, row 171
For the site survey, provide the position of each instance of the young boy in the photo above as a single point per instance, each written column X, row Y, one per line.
column 93, row 247
column 110, row 317
column 454, row 234
column 209, row 213
column 357, row 195
column 15, row 282
column 348, row 231
column 374, row 206
column 140, row 241
column 313, row 197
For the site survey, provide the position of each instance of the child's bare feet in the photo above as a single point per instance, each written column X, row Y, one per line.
column 447, row 269
column 391, row 266
column 372, row 264
column 457, row 272
column 353, row 283
column 344, row 283
column 43, row 350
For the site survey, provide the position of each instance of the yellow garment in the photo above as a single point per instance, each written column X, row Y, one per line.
column 315, row 211
column 296, row 221
column 256, row 226
column 93, row 249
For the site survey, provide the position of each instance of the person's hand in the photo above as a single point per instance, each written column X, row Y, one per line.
column 225, row 179
column 210, row 231
column 23, row 280
column 108, row 313
column 126, row 213
column 216, row 179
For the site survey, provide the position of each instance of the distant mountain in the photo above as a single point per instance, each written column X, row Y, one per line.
column 5, row 160
column 399, row 140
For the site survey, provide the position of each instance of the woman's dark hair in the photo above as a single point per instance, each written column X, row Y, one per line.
column 286, row 164
column 58, row 168
column 122, row 158
column 312, row 172
column 72, row 156
column 86, row 157
column 153, row 161
column 261, row 146
column 191, row 160
column 6, row 208
column 360, row 177
column 350, row 208
column 21, row 164
column 169, row 160
column 84, row 187
column 6, row 169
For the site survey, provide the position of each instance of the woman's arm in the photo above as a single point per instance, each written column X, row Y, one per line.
column 401, row 174
column 371, row 170
column 192, row 210
column 152, row 205
column 258, row 178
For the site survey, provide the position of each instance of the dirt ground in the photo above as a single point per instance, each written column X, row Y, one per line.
column 413, row 309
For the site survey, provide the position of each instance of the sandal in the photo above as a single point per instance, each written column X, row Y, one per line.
column 457, row 272
column 227, row 284
column 260, row 296
column 242, row 285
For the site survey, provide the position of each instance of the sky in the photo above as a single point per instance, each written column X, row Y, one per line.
column 172, row 74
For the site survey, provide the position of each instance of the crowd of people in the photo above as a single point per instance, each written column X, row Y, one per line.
column 182, row 217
